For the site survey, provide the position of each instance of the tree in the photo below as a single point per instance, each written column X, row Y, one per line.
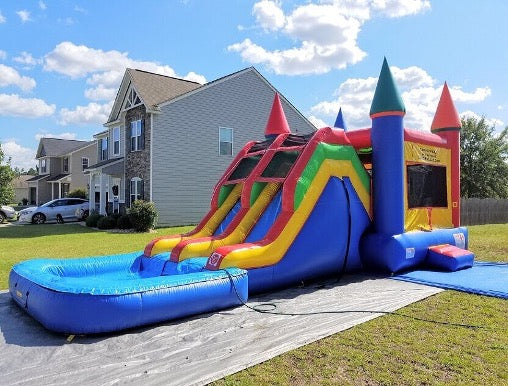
column 483, row 160
column 6, row 177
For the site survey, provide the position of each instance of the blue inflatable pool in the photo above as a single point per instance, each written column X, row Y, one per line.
column 102, row 294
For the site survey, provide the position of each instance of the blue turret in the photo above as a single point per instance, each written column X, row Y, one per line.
column 339, row 121
column 387, row 113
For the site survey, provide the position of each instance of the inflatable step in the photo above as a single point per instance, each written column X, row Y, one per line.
column 448, row 257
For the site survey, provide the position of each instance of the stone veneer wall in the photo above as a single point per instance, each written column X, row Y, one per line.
column 137, row 163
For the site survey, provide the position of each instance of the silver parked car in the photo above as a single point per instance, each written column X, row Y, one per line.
column 60, row 210
column 6, row 212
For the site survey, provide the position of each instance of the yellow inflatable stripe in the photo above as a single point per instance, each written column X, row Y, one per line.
column 167, row 244
column 205, row 248
column 260, row 256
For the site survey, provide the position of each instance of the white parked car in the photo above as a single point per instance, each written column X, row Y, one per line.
column 6, row 212
column 61, row 209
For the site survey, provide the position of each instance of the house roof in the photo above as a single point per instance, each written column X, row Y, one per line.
column 55, row 147
column 21, row 181
column 151, row 88
column 38, row 178
column 57, row 177
column 157, row 90
column 104, row 163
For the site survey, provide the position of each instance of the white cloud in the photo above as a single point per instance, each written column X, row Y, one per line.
column 491, row 122
column 269, row 15
column 24, row 15
column 9, row 76
column 42, row 5
column 318, row 123
column 3, row 55
column 400, row 8
column 418, row 90
column 104, row 71
column 66, row 135
column 327, row 33
column 91, row 114
column 25, row 58
column 477, row 96
column 101, row 93
column 15, row 106
column 21, row 157
column 192, row 76
column 78, row 61
column 2, row 18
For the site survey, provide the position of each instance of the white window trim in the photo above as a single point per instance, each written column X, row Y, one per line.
column 137, row 136
column 68, row 165
column 102, row 140
column 46, row 167
column 119, row 140
column 232, row 141
column 87, row 162
column 136, row 193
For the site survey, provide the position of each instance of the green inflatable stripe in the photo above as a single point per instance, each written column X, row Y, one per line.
column 323, row 152
column 257, row 188
column 224, row 193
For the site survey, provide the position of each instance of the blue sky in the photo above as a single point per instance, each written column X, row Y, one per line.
column 61, row 61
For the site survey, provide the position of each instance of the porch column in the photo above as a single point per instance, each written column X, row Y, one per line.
column 91, row 193
column 102, row 205
column 52, row 191
column 59, row 189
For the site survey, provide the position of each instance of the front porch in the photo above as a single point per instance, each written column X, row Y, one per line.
column 107, row 186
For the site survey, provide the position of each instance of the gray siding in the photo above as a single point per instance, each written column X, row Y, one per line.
column 186, row 163
column 78, row 179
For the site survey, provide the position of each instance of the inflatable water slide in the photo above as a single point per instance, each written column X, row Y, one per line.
column 288, row 209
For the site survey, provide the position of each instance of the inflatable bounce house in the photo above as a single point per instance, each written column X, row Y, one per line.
column 288, row 209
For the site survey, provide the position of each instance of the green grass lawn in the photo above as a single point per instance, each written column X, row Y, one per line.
column 388, row 350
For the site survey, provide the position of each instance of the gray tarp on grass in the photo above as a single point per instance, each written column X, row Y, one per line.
column 195, row 350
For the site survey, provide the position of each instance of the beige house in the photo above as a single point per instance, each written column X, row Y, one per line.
column 61, row 168
column 21, row 190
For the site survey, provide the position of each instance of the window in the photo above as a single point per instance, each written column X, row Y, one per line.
column 84, row 162
column 116, row 140
column 66, row 165
column 132, row 99
column 104, row 149
column 426, row 186
column 43, row 166
column 65, row 192
column 225, row 141
column 136, row 189
column 137, row 142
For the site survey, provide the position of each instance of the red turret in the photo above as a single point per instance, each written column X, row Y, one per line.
column 447, row 125
column 277, row 123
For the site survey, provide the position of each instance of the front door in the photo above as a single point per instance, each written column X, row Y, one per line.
column 33, row 196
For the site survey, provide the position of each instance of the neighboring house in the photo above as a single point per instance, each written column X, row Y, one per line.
column 169, row 140
column 61, row 168
column 20, row 186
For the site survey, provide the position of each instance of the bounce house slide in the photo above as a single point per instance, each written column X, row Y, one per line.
column 302, row 217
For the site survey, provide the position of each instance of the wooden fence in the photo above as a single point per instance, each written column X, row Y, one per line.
column 476, row 211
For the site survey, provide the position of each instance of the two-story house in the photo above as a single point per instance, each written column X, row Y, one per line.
column 62, row 164
column 169, row 140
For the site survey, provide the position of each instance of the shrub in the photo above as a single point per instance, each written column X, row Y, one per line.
column 124, row 222
column 24, row 201
column 106, row 222
column 78, row 193
column 91, row 220
column 143, row 215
